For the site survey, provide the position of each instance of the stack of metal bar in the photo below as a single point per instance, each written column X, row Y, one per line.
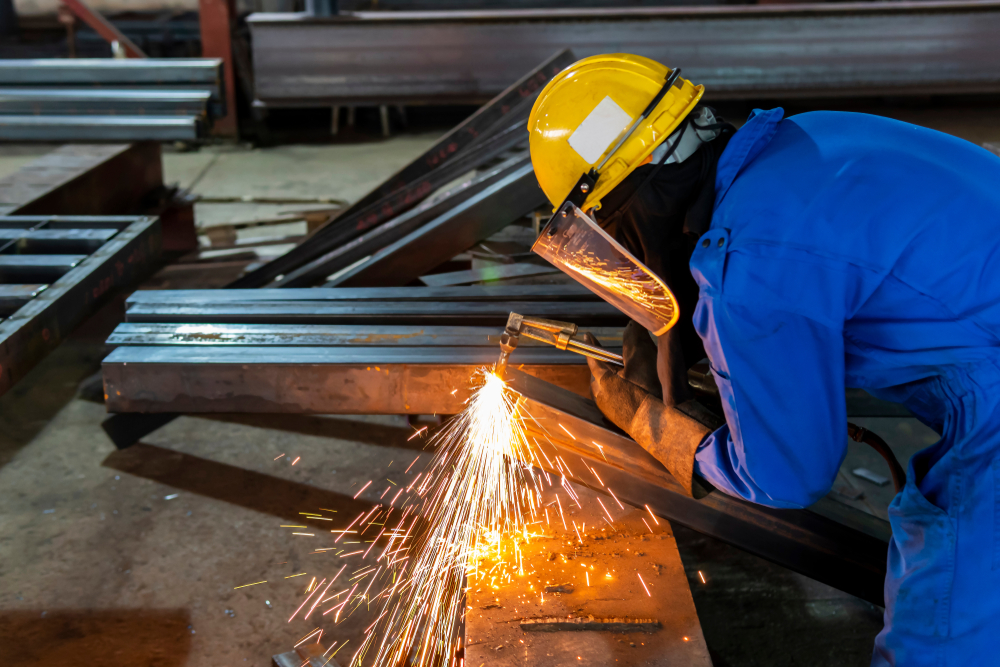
column 110, row 99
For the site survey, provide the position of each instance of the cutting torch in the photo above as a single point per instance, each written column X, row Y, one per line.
column 558, row 334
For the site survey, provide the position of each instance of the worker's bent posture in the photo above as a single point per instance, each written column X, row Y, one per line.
column 811, row 253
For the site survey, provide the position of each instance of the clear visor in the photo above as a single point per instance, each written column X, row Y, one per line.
column 577, row 245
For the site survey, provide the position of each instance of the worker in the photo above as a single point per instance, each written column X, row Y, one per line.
column 810, row 253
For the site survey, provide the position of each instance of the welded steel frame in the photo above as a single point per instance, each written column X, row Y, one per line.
column 828, row 542
column 38, row 326
column 736, row 51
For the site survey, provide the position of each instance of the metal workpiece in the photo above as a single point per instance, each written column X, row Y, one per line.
column 829, row 542
column 110, row 72
column 58, row 292
column 314, row 380
column 462, row 227
column 311, row 335
column 349, row 252
column 99, row 128
column 736, row 51
column 372, row 313
column 473, row 293
column 96, row 101
column 83, row 180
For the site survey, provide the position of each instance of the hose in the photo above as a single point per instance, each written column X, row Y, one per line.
column 858, row 434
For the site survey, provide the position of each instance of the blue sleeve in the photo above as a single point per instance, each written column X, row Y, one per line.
column 781, row 379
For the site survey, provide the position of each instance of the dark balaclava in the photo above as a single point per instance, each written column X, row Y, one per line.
column 661, row 221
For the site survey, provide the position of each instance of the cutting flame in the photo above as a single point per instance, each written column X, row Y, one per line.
column 478, row 477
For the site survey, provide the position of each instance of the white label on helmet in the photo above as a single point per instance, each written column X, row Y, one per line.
column 599, row 129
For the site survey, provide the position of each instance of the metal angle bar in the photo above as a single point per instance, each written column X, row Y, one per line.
column 99, row 128
column 346, row 254
column 305, row 380
column 110, row 71
column 836, row 545
column 573, row 292
column 317, row 335
column 441, row 239
column 40, row 101
column 67, row 222
column 469, row 130
column 344, row 229
column 376, row 313
column 41, row 324
column 736, row 52
column 36, row 268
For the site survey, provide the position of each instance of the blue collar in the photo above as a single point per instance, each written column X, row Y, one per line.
column 745, row 145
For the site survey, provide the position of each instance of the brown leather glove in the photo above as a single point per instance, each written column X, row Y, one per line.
column 670, row 429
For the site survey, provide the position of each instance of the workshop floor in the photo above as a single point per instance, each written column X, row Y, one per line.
column 131, row 558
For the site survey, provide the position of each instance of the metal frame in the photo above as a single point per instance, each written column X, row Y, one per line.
column 75, row 291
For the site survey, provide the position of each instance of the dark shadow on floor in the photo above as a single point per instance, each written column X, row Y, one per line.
column 119, row 637
column 252, row 490
column 758, row 614
column 369, row 433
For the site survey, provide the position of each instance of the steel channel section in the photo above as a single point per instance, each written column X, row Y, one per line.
column 99, row 128
column 836, row 545
column 736, row 52
column 418, row 313
column 347, row 254
column 473, row 221
column 35, row 101
column 314, row 335
column 475, row 293
column 313, row 380
column 42, row 323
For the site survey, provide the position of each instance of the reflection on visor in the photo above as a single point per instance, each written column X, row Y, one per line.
column 575, row 244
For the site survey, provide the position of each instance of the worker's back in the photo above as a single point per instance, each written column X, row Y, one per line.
column 887, row 229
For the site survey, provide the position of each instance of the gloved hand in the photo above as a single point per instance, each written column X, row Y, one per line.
column 667, row 427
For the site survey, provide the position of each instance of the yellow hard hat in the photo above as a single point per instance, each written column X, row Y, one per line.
column 581, row 117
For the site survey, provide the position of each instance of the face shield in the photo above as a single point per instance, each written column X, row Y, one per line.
column 576, row 245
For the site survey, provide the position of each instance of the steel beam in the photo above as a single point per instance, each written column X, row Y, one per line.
column 42, row 322
column 89, row 101
column 99, row 128
column 457, row 230
column 736, row 51
column 314, row 380
column 82, row 180
column 313, row 335
column 377, row 313
column 477, row 293
column 829, row 542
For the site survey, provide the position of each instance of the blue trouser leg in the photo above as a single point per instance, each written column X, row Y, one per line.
column 942, row 587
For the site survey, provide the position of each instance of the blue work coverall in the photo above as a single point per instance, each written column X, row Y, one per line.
column 848, row 250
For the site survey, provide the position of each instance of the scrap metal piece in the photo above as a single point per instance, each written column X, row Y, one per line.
column 589, row 623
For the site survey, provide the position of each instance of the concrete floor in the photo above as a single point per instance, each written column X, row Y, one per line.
column 131, row 558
